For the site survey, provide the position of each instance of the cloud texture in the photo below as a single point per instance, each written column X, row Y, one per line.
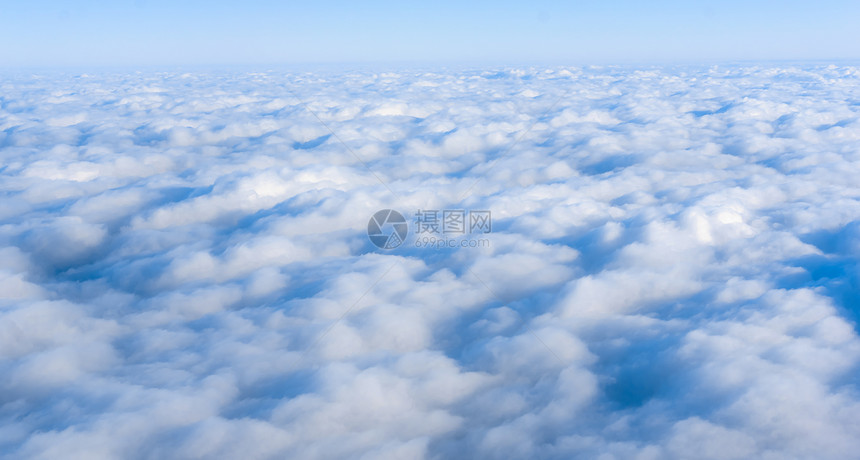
column 674, row 267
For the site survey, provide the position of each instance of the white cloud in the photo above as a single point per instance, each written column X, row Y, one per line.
column 673, row 269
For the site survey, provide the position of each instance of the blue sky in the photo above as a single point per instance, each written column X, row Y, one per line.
column 218, row 32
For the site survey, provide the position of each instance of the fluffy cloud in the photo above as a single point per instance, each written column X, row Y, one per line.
column 673, row 270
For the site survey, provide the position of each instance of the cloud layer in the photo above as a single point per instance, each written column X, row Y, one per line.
column 673, row 270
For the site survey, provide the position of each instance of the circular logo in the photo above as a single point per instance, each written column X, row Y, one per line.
column 387, row 229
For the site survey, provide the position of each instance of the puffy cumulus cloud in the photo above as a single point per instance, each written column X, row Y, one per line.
column 672, row 272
